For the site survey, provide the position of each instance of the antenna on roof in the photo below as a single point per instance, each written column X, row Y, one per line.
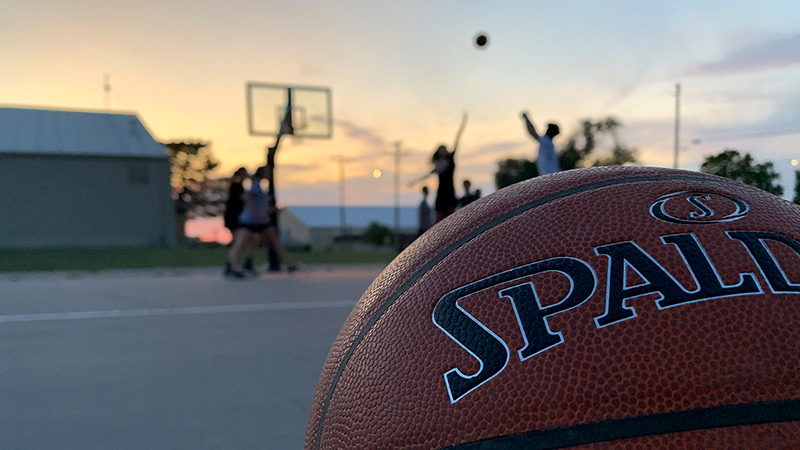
column 107, row 90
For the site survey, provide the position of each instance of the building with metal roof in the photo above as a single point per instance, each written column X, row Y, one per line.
column 82, row 179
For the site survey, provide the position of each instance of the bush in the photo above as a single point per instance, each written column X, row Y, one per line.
column 377, row 234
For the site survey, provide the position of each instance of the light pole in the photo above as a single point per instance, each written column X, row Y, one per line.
column 342, row 213
column 398, row 154
column 397, row 194
column 107, row 91
column 677, row 121
column 342, row 160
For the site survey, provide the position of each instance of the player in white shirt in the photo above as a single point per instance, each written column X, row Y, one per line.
column 547, row 161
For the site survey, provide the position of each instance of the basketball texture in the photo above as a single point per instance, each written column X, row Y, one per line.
column 590, row 309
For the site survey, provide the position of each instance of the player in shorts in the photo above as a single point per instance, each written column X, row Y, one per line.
column 233, row 207
column 254, row 222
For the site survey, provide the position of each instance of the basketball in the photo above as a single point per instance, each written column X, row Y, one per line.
column 617, row 307
column 481, row 40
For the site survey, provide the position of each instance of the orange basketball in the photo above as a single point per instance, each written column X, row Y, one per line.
column 598, row 308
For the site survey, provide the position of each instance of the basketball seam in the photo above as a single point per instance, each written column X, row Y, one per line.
column 463, row 240
column 725, row 416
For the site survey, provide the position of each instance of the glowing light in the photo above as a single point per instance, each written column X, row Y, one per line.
column 377, row 173
column 794, row 162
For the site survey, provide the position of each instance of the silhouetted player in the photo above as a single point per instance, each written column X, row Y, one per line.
column 254, row 222
column 469, row 196
column 444, row 165
column 424, row 212
column 547, row 161
column 233, row 207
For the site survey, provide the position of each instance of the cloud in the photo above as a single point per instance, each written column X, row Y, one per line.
column 787, row 113
column 771, row 54
column 295, row 168
column 365, row 135
column 735, row 96
column 309, row 71
column 359, row 190
column 492, row 148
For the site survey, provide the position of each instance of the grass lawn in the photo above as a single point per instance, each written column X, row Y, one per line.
column 133, row 258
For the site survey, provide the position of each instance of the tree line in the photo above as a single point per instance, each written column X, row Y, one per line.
column 196, row 195
column 596, row 143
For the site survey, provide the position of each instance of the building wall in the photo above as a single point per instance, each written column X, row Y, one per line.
column 292, row 229
column 322, row 238
column 63, row 201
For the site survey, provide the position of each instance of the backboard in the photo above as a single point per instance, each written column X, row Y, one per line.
column 311, row 112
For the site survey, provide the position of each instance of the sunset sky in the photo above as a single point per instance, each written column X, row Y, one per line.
column 405, row 71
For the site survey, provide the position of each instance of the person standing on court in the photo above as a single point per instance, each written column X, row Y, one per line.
column 254, row 222
column 469, row 196
column 233, row 207
column 444, row 166
column 424, row 211
column 547, row 161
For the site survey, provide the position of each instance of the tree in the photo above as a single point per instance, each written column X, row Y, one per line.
column 377, row 234
column 512, row 171
column 579, row 151
column 730, row 164
column 797, row 187
column 190, row 164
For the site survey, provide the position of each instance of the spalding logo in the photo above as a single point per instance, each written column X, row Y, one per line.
column 532, row 316
column 690, row 207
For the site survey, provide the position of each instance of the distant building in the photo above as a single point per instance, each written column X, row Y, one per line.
column 320, row 227
column 82, row 179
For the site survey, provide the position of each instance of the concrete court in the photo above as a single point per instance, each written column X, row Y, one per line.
column 166, row 359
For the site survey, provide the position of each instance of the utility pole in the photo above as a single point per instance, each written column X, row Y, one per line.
column 397, row 194
column 677, row 120
column 342, row 160
column 398, row 155
column 342, row 214
column 107, row 91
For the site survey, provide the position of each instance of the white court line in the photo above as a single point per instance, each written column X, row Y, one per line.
column 178, row 311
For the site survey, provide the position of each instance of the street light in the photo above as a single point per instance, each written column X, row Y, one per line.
column 342, row 176
column 397, row 153
column 342, row 214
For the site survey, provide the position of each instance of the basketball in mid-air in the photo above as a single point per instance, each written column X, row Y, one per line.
column 481, row 40
column 619, row 307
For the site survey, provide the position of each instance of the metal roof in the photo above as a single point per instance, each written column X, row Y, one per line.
column 357, row 216
column 61, row 132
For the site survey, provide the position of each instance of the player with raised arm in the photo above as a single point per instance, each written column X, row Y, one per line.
column 547, row 161
column 444, row 167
